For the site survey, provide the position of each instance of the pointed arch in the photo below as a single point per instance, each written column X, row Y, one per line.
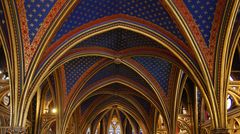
column 222, row 64
column 174, row 48
column 13, row 53
column 116, row 79
column 124, row 107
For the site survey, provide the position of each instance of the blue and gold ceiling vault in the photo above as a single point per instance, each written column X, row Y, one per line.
column 75, row 68
column 160, row 69
column 89, row 10
column 119, row 39
column 76, row 20
column 36, row 11
column 203, row 13
column 117, row 69
column 87, row 103
column 144, row 103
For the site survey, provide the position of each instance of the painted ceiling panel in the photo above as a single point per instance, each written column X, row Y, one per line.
column 117, row 69
column 203, row 13
column 86, row 104
column 159, row 68
column 146, row 105
column 89, row 10
column 36, row 11
column 119, row 39
column 116, row 86
column 75, row 68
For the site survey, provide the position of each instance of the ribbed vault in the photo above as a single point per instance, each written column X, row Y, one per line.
column 142, row 66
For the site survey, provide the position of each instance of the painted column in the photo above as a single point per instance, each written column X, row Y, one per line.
column 195, row 110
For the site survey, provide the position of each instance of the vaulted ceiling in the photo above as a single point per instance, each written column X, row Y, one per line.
column 125, row 50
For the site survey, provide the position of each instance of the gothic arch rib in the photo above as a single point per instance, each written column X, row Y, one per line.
column 122, row 105
column 193, row 42
column 91, row 113
column 133, row 27
column 116, row 79
column 222, row 71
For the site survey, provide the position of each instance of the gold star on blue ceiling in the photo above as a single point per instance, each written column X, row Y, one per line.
column 119, row 39
column 36, row 11
column 159, row 68
column 203, row 13
column 76, row 67
column 89, row 10
column 117, row 69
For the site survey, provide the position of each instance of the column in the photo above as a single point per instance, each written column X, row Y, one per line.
column 195, row 110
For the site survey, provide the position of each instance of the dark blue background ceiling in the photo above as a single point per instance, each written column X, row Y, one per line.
column 89, row 10
column 159, row 68
column 75, row 68
column 117, row 69
column 36, row 11
column 146, row 105
column 85, row 105
column 116, row 86
column 203, row 13
column 119, row 39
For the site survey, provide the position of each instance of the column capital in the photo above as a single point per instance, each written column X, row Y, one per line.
column 16, row 130
column 220, row 131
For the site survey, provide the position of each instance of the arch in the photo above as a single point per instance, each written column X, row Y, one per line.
column 44, row 93
column 47, row 125
column 102, row 83
column 4, row 43
column 111, row 54
column 120, row 23
column 122, row 106
column 193, row 42
column 222, row 72
column 124, row 97
column 132, row 64
column 179, row 90
column 97, row 122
